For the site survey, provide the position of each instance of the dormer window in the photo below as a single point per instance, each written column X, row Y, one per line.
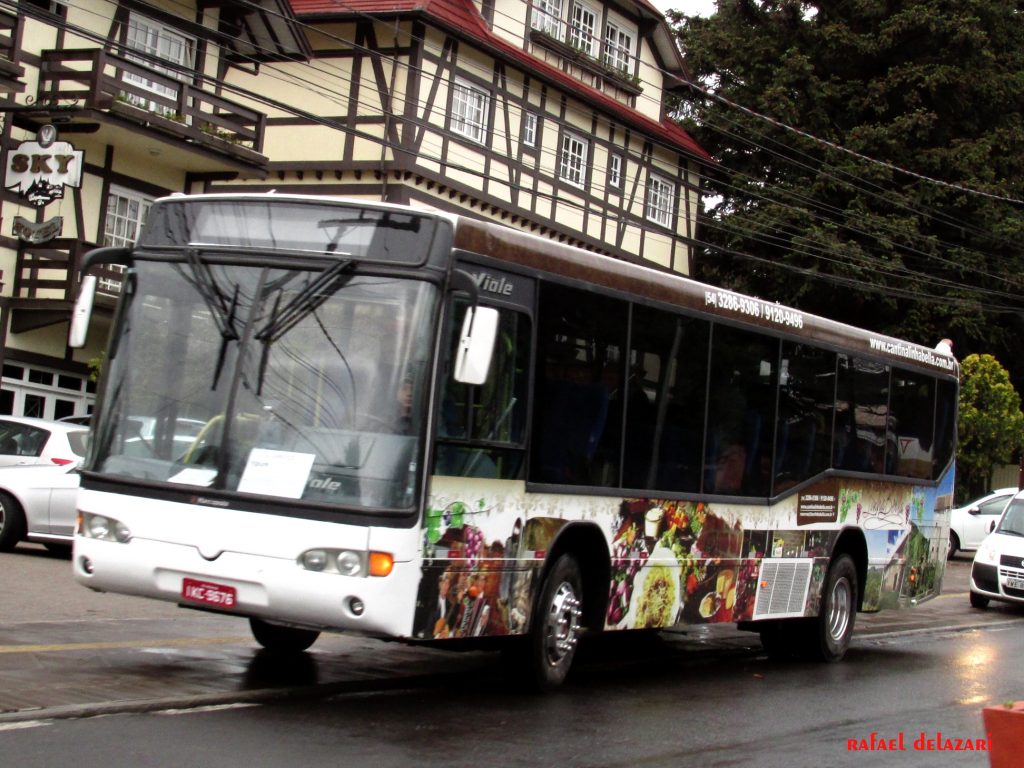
column 618, row 47
column 547, row 17
column 582, row 31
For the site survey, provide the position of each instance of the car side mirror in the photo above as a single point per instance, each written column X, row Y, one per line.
column 974, row 511
column 991, row 526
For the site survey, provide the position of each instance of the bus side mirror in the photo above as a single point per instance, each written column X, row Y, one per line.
column 476, row 345
column 82, row 312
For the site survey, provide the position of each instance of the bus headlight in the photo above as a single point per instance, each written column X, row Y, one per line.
column 103, row 527
column 347, row 562
column 314, row 560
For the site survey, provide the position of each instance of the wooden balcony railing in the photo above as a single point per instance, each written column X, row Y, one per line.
column 11, row 71
column 93, row 78
column 50, row 271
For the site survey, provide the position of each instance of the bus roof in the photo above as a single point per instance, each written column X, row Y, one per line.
column 544, row 255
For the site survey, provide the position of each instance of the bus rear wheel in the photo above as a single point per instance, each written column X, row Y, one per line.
column 831, row 631
column 555, row 629
column 280, row 639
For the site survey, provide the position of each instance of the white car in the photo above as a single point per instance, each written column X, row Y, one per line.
column 971, row 523
column 998, row 569
column 24, row 440
column 38, row 503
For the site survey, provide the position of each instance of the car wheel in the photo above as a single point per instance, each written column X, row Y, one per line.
column 12, row 522
column 954, row 545
column 979, row 601
column 280, row 639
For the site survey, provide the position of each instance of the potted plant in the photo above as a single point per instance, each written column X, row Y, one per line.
column 1004, row 724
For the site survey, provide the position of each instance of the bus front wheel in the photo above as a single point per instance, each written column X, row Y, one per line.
column 555, row 629
column 280, row 639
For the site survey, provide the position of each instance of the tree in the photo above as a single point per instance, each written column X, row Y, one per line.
column 933, row 87
column 991, row 424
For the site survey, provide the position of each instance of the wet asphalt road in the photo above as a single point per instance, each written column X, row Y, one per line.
column 707, row 697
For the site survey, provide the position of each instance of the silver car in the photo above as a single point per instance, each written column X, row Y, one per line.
column 38, row 503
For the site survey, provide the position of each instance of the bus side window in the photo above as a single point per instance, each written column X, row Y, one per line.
column 577, row 437
column 481, row 429
column 806, row 401
column 862, row 415
column 913, row 418
column 741, row 412
column 665, row 405
column 945, row 427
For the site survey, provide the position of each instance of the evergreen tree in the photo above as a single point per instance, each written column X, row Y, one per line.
column 933, row 87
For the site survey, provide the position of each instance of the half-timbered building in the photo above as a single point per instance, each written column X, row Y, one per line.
column 547, row 115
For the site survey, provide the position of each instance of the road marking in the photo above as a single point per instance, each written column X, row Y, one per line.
column 207, row 708
column 25, row 724
column 113, row 645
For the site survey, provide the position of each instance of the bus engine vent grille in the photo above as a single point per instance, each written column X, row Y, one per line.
column 782, row 588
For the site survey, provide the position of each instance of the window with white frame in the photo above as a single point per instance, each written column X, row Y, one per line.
column 615, row 171
column 529, row 129
column 661, row 200
column 126, row 211
column 547, row 17
column 469, row 111
column 573, row 163
column 158, row 42
column 582, row 28
column 618, row 47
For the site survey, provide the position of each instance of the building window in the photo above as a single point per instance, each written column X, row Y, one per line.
column 126, row 211
column 547, row 17
column 46, row 394
column 157, row 43
column 615, row 171
column 529, row 130
column 618, row 47
column 661, row 200
column 573, row 165
column 469, row 111
column 581, row 33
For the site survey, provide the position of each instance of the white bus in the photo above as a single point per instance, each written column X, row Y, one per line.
column 369, row 418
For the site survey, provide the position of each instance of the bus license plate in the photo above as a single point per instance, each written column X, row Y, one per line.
column 205, row 592
column 1015, row 583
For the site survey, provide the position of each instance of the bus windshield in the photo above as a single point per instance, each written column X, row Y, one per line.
column 290, row 383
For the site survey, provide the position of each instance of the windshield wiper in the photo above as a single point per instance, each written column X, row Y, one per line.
column 301, row 305
column 222, row 311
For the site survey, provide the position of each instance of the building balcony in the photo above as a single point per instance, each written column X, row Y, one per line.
column 46, row 282
column 126, row 103
column 11, row 72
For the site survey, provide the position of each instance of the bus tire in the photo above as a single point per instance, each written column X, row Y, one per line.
column 12, row 522
column 279, row 639
column 831, row 631
column 555, row 629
